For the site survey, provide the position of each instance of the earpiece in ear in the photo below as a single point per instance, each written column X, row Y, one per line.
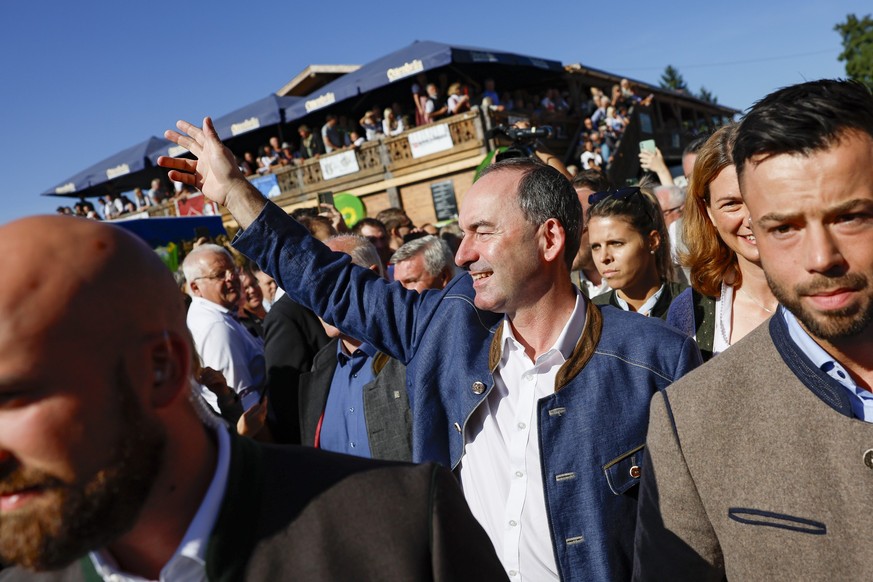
column 160, row 375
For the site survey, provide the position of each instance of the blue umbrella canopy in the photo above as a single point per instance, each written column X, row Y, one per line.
column 407, row 62
column 138, row 165
column 260, row 114
column 124, row 170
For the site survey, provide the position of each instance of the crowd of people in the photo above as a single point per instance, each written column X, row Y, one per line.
column 697, row 406
column 604, row 121
column 114, row 205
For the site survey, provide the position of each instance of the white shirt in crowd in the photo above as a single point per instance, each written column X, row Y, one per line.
column 188, row 563
column 501, row 472
column 224, row 344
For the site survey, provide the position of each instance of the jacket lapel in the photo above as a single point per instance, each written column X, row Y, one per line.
column 581, row 353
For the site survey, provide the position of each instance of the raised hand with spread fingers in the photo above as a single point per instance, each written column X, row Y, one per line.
column 215, row 172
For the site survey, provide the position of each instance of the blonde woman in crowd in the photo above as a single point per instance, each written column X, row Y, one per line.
column 391, row 126
column 729, row 294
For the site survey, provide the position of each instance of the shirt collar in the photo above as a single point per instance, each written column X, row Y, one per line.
column 367, row 349
column 193, row 545
column 570, row 333
column 817, row 355
column 645, row 308
column 210, row 305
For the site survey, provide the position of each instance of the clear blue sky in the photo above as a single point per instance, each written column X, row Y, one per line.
column 84, row 80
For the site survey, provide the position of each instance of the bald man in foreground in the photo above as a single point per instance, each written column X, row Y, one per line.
column 109, row 466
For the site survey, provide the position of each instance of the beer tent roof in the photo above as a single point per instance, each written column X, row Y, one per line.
column 129, row 168
column 405, row 64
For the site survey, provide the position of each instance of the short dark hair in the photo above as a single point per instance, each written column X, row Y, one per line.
column 304, row 211
column 369, row 221
column 695, row 145
column 802, row 119
column 393, row 218
column 544, row 193
column 594, row 180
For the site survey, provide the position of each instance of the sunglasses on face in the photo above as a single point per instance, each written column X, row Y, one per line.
column 624, row 194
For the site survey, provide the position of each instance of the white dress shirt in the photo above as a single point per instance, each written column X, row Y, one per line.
column 501, row 472
column 224, row 344
column 188, row 563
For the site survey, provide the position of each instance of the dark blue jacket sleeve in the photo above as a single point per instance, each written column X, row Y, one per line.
column 354, row 299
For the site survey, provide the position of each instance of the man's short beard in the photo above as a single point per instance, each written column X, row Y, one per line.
column 73, row 519
column 836, row 324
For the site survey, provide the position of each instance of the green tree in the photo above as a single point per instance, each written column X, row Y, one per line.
column 706, row 95
column 672, row 79
column 857, row 52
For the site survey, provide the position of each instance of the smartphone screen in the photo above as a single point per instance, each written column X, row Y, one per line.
column 325, row 198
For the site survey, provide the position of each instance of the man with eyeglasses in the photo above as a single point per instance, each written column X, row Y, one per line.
column 671, row 198
column 222, row 342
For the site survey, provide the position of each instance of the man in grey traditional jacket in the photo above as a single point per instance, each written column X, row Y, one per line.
column 761, row 462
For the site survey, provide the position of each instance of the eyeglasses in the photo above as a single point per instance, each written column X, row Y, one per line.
column 221, row 276
column 620, row 194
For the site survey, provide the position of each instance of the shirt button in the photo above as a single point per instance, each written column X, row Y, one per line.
column 513, row 573
column 352, row 409
column 353, row 445
column 519, row 474
column 635, row 471
column 526, row 376
column 513, row 523
column 868, row 458
column 354, row 375
column 521, row 426
column 478, row 387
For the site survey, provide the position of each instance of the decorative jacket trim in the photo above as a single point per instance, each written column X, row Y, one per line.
column 581, row 353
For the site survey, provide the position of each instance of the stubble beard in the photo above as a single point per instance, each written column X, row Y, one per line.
column 833, row 325
column 73, row 519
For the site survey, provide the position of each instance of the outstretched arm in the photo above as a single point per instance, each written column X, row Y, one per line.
column 654, row 162
column 214, row 172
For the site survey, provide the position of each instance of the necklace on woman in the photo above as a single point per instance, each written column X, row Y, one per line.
column 725, row 313
column 755, row 301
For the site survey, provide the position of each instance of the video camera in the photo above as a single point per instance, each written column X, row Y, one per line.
column 524, row 140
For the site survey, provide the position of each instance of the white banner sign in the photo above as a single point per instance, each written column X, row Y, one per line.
column 337, row 165
column 430, row 140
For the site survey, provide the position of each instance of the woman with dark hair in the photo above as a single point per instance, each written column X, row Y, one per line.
column 729, row 294
column 631, row 250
